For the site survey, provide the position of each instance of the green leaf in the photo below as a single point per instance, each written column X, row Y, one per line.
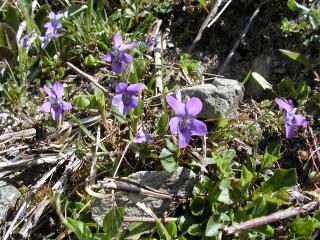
column 260, row 207
column 168, row 160
column 315, row 18
column 304, row 226
column 162, row 231
column 223, row 162
column 26, row 7
column 81, row 101
column 197, row 205
column 281, row 180
column 75, row 10
column 12, row 18
column 294, row 6
column 246, row 178
column 79, row 228
column 247, row 77
column 266, row 230
column 162, row 126
column 113, row 221
column 272, row 154
column 42, row 16
column 172, row 229
column 8, row 37
column 261, row 80
column 296, row 57
column 212, row 228
column 196, row 230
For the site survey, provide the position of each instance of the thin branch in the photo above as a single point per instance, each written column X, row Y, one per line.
column 148, row 219
column 92, row 79
column 211, row 14
column 27, row 133
column 220, row 13
column 242, row 36
column 4, row 166
column 27, row 202
column 260, row 221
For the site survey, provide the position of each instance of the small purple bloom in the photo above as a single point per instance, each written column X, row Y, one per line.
column 27, row 40
column 291, row 119
column 125, row 97
column 52, row 28
column 184, row 124
column 118, row 57
column 143, row 137
column 55, row 105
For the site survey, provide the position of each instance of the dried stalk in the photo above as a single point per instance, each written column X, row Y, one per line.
column 256, row 222
column 205, row 23
column 147, row 219
column 27, row 133
column 5, row 166
column 120, row 184
column 92, row 79
column 33, row 191
column 236, row 45
column 33, row 218
column 220, row 13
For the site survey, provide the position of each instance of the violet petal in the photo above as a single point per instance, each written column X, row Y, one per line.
column 184, row 137
column 58, row 89
column 66, row 106
column 56, row 113
column 178, row 107
column 121, row 87
column 193, row 106
column 117, row 99
column 174, row 125
column 198, row 128
column 126, row 58
column 135, row 88
column 116, row 66
column 108, row 57
column 46, row 107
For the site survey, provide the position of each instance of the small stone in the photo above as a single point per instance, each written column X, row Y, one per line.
column 179, row 183
column 8, row 198
column 223, row 95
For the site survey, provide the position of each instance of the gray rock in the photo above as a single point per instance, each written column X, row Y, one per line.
column 223, row 95
column 178, row 183
column 8, row 198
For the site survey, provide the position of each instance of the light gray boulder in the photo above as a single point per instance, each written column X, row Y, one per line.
column 8, row 199
column 223, row 95
column 179, row 183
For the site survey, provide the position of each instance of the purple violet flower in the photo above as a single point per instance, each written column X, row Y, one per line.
column 118, row 57
column 55, row 105
column 27, row 40
column 52, row 28
column 184, row 124
column 291, row 119
column 143, row 137
column 125, row 97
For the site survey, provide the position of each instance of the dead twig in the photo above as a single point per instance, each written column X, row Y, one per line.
column 120, row 184
column 5, row 166
column 220, row 13
column 27, row 133
column 205, row 23
column 280, row 215
column 148, row 219
column 92, row 79
column 33, row 191
column 242, row 36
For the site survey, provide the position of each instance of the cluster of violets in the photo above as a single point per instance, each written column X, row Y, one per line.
column 52, row 27
column 183, row 124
